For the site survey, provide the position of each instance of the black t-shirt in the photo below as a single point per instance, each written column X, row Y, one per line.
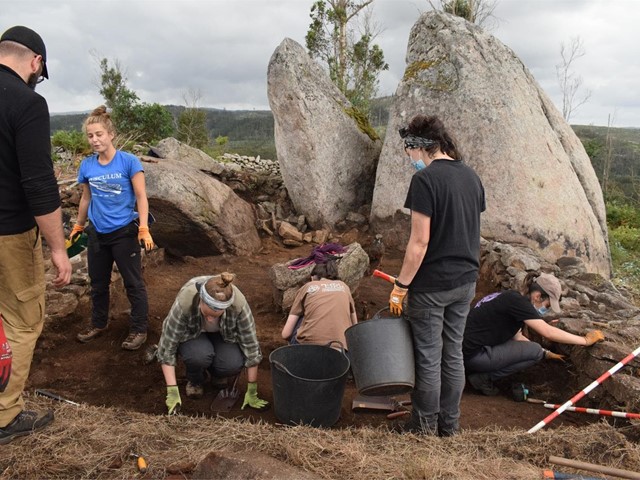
column 28, row 185
column 451, row 193
column 495, row 319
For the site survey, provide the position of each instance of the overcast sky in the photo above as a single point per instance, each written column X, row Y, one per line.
column 221, row 48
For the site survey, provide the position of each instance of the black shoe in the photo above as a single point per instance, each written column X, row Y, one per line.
column 483, row 383
column 25, row 423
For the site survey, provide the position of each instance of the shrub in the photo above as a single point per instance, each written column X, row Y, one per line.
column 72, row 141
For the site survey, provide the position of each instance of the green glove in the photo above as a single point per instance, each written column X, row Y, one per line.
column 173, row 399
column 251, row 398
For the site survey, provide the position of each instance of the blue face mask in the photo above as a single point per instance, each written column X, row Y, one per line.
column 543, row 310
column 417, row 164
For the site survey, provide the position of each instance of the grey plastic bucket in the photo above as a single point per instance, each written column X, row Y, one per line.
column 308, row 383
column 381, row 352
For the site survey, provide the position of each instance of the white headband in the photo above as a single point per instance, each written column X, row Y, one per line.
column 211, row 302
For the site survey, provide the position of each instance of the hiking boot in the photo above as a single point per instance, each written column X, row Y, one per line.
column 134, row 340
column 25, row 423
column 483, row 383
column 194, row 391
column 90, row 334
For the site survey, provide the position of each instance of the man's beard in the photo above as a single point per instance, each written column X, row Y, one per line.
column 32, row 81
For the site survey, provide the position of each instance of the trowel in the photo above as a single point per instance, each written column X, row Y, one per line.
column 227, row 397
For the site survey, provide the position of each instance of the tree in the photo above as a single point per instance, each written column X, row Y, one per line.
column 137, row 121
column 570, row 82
column 354, row 65
column 474, row 11
column 192, row 122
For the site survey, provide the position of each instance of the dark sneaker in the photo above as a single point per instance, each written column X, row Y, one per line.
column 194, row 391
column 25, row 423
column 90, row 334
column 483, row 383
column 134, row 341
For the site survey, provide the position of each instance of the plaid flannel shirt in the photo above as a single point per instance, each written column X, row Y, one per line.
column 184, row 322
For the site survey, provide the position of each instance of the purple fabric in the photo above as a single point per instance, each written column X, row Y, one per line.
column 320, row 254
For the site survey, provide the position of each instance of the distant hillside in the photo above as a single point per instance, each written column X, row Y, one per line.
column 250, row 132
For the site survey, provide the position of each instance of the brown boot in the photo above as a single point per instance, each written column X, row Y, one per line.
column 134, row 340
column 90, row 334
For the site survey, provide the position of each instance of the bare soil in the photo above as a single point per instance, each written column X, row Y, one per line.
column 101, row 373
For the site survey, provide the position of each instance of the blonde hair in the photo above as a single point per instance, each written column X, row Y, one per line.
column 101, row 116
column 219, row 287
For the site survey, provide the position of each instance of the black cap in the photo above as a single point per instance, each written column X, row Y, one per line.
column 30, row 39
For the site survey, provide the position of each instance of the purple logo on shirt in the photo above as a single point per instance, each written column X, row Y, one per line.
column 486, row 299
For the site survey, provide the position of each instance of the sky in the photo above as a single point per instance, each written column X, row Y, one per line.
column 218, row 51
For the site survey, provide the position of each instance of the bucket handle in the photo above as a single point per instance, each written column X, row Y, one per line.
column 377, row 314
column 280, row 366
column 342, row 349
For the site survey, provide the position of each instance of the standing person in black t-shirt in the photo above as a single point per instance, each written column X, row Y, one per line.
column 29, row 206
column 439, row 271
column 494, row 346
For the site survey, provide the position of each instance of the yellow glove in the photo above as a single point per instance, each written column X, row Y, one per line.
column 549, row 355
column 251, row 398
column 144, row 238
column 593, row 336
column 77, row 229
column 395, row 300
column 173, row 400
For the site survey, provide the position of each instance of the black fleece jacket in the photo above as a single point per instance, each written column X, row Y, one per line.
column 28, row 185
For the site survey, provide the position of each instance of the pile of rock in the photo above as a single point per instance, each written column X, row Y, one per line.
column 352, row 266
column 590, row 301
column 262, row 165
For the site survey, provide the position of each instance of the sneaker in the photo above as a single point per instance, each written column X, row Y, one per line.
column 134, row 340
column 194, row 391
column 25, row 423
column 483, row 383
column 90, row 334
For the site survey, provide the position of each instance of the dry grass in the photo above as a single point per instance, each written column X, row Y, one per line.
column 93, row 442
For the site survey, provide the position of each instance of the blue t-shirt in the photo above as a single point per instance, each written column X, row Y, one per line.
column 112, row 197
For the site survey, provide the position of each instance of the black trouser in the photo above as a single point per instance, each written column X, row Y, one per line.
column 122, row 247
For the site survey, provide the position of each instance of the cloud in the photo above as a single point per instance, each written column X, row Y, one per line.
column 222, row 47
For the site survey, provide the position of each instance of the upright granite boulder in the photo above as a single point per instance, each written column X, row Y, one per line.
column 541, row 188
column 196, row 214
column 327, row 152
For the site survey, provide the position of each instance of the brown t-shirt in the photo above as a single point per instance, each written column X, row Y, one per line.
column 327, row 306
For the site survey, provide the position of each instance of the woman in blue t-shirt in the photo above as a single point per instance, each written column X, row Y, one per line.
column 112, row 184
column 494, row 345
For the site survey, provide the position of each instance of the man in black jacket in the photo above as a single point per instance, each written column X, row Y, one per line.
column 29, row 205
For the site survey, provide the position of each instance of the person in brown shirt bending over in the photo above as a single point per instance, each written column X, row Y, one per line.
column 322, row 310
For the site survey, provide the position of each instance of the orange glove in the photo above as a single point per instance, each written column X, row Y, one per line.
column 76, row 230
column 395, row 300
column 549, row 355
column 144, row 238
column 593, row 336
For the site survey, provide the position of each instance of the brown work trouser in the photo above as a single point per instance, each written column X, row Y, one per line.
column 22, row 306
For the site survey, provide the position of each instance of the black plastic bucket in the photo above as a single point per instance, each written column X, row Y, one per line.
column 308, row 384
column 381, row 352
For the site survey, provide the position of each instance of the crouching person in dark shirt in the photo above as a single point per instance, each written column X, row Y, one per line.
column 494, row 345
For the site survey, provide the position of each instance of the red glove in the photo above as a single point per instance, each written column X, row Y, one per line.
column 5, row 358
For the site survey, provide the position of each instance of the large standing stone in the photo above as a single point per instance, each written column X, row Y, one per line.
column 196, row 214
column 327, row 160
column 540, row 185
